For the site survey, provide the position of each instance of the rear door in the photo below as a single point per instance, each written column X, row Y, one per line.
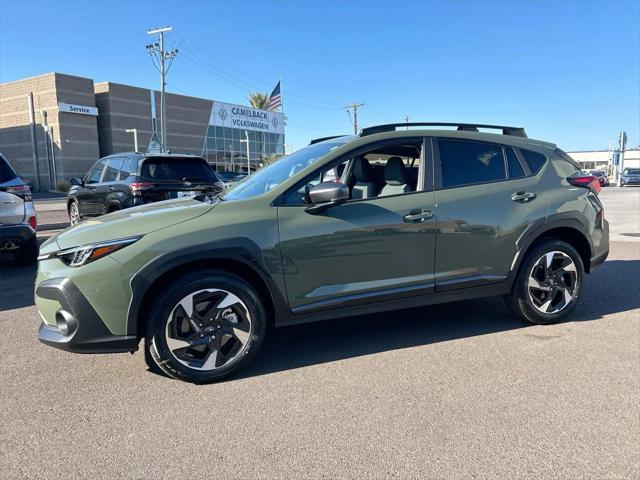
column 107, row 184
column 486, row 198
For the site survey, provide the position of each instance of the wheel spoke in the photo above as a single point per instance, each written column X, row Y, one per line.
column 534, row 283
column 241, row 335
column 561, row 276
column 176, row 344
column 211, row 361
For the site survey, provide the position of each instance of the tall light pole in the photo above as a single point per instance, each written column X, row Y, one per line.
column 135, row 137
column 246, row 140
column 164, row 59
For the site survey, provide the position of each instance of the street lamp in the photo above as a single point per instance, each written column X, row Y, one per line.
column 246, row 140
column 135, row 137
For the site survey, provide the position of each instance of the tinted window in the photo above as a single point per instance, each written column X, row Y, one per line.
column 111, row 172
column 515, row 169
column 163, row 169
column 128, row 168
column 466, row 163
column 94, row 174
column 6, row 172
column 534, row 160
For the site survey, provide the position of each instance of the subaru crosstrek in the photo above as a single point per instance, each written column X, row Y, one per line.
column 385, row 220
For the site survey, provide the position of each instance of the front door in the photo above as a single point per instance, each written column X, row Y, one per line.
column 86, row 196
column 375, row 247
column 487, row 197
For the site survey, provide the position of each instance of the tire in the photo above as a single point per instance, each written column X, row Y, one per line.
column 205, row 327
column 74, row 213
column 28, row 254
column 538, row 296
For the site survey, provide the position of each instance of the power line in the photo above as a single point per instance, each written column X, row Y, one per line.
column 355, row 107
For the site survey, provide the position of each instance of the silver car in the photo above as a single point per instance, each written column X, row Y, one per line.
column 18, row 221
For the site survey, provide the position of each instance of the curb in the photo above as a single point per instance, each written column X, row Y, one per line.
column 52, row 226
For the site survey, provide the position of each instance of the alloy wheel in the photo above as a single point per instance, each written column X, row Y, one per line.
column 74, row 215
column 208, row 329
column 552, row 283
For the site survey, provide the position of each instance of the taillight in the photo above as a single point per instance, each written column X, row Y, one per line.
column 137, row 187
column 585, row 181
column 22, row 191
column 33, row 221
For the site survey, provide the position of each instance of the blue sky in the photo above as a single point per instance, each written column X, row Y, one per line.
column 567, row 71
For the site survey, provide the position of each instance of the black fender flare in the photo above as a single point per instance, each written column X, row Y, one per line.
column 537, row 229
column 239, row 250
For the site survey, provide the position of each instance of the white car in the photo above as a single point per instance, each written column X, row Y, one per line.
column 18, row 221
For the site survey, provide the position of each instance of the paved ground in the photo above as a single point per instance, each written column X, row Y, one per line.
column 452, row 391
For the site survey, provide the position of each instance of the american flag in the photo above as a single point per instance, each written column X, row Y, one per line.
column 275, row 100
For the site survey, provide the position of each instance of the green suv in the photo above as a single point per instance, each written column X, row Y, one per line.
column 393, row 218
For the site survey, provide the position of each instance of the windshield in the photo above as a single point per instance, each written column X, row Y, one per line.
column 6, row 172
column 273, row 175
column 631, row 171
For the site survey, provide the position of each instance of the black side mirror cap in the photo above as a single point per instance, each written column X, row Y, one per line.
column 326, row 195
column 76, row 181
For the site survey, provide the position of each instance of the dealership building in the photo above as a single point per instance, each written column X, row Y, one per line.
column 72, row 121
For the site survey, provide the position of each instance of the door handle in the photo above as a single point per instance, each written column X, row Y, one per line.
column 111, row 189
column 417, row 216
column 522, row 197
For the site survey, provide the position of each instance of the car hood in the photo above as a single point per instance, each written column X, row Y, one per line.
column 132, row 221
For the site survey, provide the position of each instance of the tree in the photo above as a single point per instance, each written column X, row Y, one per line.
column 259, row 100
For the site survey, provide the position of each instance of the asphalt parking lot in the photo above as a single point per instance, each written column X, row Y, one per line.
column 451, row 391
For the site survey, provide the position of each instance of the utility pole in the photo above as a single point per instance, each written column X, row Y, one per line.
column 135, row 137
column 164, row 59
column 406, row 120
column 355, row 107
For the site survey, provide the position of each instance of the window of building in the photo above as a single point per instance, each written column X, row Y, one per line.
column 534, row 160
column 468, row 163
column 515, row 168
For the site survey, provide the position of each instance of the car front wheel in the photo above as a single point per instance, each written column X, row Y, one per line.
column 74, row 213
column 205, row 327
column 549, row 283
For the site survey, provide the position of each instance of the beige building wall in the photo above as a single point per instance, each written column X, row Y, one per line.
column 123, row 107
column 75, row 136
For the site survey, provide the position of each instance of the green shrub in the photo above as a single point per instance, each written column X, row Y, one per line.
column 63, row 186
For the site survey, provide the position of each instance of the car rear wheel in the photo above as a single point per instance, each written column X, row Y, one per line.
column 549, row 283
column 205, row 327
column 74, row 213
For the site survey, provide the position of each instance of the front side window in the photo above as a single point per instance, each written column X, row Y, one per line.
column 96, row 172
column 469, row 163
column 274, row 174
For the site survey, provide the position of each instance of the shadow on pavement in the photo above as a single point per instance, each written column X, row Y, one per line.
column 16, row 282
column 608, row 290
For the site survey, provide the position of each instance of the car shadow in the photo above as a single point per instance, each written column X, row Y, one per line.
column 607, row 291
column 16, row 282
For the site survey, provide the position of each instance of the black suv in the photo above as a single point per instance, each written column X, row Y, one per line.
column 124, row 180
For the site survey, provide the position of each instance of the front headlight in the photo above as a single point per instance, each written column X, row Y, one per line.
column 78, row 256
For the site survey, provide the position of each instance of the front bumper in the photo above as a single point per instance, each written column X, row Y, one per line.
column 84, row 330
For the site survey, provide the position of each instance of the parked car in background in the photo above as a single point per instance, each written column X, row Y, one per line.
column 602, row 177
column 126, row 180
column 18, row 221
column 630, row 176
column 416, row 217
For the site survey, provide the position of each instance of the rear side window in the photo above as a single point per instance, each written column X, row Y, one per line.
column 128, row 168
column 515, row 168
column 468, row 163
column 111, row 172
column 6, row 172
column 180, row 169
column 535, row 160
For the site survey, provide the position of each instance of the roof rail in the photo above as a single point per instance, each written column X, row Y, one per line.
column 467, row 127
column 322, row 139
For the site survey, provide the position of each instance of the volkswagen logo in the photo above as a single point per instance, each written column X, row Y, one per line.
column 274, row 122
column 222, row 114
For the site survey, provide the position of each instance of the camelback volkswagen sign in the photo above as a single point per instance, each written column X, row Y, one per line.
column 245, row 118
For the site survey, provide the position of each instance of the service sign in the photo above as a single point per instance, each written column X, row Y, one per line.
column 81, row 109
column 246, row 118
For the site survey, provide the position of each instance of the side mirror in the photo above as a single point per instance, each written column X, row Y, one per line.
column 76, row 181
column 325, row 195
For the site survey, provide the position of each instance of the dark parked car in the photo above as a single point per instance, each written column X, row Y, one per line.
column 17, row 216
column 416, row 217
column 602, row 177
column 125, row 180
column 630, row 176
